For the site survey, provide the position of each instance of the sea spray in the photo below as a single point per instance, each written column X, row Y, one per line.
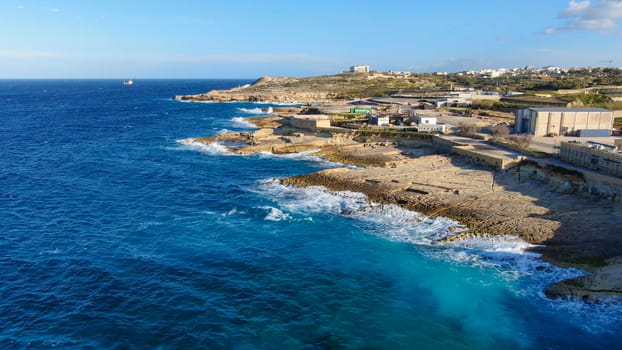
column 243, row 123
column 212, row 148
column 305, row 156
column 275, row 214
column 257, row 111
column 392, row 221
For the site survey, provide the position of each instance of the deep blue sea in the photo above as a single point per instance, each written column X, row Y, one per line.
column 115, row 234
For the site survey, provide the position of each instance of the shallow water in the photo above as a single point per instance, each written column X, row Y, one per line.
column 115, row 234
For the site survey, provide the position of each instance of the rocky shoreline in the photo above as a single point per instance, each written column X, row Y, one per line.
column 264, row 89
column 571, row 229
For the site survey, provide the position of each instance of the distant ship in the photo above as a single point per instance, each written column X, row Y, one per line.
column 128, row 82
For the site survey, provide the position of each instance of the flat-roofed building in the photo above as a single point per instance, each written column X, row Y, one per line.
column 564, row 121
column 310, row 122
column 380, row 120
column 601, row 158
column 428, row 124
column 359, row 69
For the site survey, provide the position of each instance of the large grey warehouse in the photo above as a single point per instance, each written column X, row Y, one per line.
column 564, row 121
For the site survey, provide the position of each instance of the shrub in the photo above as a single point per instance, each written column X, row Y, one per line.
column 500, row 130
column 522, row 140
column 468, row 128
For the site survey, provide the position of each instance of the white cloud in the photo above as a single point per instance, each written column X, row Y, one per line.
column 602, row 16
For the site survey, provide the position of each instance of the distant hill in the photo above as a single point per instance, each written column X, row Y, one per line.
column 339, row 86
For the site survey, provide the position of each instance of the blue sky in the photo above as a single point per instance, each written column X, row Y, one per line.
column 251, row 38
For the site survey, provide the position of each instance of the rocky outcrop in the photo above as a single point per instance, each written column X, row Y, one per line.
column 604, row 284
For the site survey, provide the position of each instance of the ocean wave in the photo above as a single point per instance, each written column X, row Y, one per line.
column 213, row 148
column 305, row 156
column 391, row 221
column 284, row 104
column 243, row 123
column 275, row 214
column 192, row 101
column 257, row 110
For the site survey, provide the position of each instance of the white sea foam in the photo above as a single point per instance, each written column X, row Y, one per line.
column 213, row 148
column 285, row 104
column 388, row 221
column 392, row 221
column 191, row 101
column 493, row 244
column 275, row 214
column 243, row 123
column 307, row 156
column 257, row 110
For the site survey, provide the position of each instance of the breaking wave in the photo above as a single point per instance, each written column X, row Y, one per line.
column 391, row 221
column 192, row 101
column 284, row 104
column 243, row 123
column 258, row 110
column 275, row 214
column 213, row 148
column 306, row 156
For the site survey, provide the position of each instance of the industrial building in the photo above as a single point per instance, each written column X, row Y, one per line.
column 601, row 158
column 455, row 100
column 591, row 122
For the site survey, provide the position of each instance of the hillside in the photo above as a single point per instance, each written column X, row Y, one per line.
column 339, row 86
column 585, row 87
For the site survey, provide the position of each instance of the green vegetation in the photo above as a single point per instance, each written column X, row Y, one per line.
column 592, row 99
column 581, row 87
column 616, row 105
column 391, row 134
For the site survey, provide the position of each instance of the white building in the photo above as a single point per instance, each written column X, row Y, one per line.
column 428, row 124
column 359, row 69
column 425, row 120
column 378, row 120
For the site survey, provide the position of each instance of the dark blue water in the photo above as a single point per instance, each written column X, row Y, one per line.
column 114, row 234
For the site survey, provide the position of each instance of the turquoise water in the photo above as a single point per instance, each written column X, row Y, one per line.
column 114, row 234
